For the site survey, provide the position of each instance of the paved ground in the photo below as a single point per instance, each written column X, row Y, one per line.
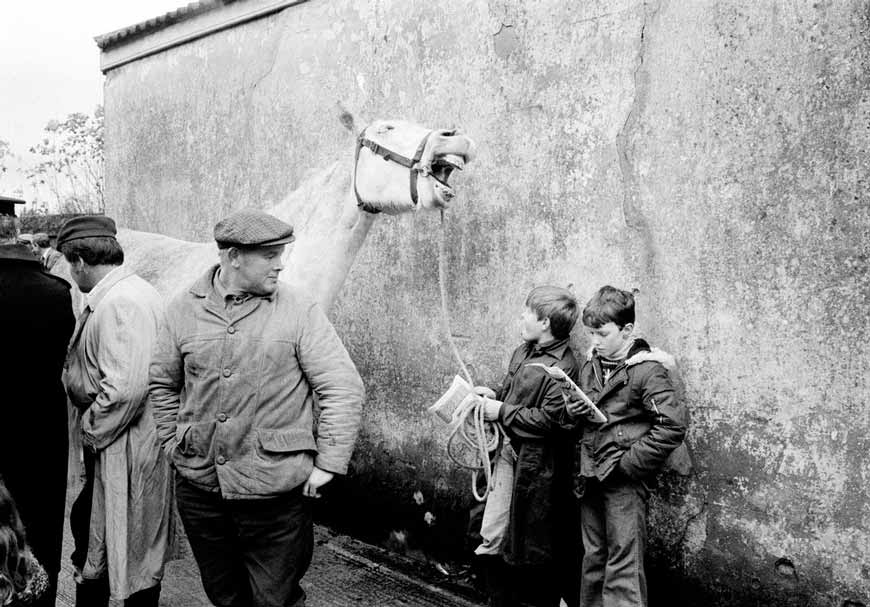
column 344, row 573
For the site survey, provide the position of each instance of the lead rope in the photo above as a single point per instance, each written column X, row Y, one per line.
column 482, row 436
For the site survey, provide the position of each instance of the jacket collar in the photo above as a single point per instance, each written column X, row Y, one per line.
column 554, row 348
column 105, row 285
column 204, row 285
column 639, row 346
column 17, row 252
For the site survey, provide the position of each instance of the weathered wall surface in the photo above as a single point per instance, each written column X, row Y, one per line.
column 713, row 154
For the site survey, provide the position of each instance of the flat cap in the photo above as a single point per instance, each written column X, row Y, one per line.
column 86, row 226
column 252, row 228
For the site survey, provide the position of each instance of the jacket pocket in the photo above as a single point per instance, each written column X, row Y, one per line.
column 194, row 440
column 277, row 444
column 626, row 435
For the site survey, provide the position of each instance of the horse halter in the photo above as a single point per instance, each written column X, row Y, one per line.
column 388, row 155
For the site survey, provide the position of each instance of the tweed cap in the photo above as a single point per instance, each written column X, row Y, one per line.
column 252, row 228
column 86, row 226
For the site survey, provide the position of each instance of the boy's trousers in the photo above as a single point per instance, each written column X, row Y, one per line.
column 613, row 516
column 496, row 513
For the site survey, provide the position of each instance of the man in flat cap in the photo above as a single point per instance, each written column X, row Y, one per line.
column 120, row 520
column 238, row 368
column 38, row 322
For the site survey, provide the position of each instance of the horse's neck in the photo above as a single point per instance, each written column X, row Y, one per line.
column 330, row 231
column 329, row 228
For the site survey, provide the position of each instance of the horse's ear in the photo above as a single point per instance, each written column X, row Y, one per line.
column 352, row 121
column 346, row 120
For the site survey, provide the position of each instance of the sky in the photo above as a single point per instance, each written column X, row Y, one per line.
column 50, row 64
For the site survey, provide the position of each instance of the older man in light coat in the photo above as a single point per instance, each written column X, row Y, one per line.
column 121, row 519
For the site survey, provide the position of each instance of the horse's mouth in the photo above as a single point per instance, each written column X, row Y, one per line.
column 442, row 167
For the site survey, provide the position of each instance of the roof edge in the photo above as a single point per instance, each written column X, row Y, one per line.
column 143, row 28
column 193, row 22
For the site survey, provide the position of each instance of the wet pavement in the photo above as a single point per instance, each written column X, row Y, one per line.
column 344, row 573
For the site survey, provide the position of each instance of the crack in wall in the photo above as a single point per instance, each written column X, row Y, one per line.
column 644, row 257
column 688, row 523
column 277, row 39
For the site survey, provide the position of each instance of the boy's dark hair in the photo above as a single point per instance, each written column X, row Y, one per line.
column 557, row 304
column 609, row 304
column 94, row 251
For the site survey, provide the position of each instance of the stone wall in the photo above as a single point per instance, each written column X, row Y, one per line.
column 712, row 154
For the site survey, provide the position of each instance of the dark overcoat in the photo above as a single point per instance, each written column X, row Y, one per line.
column 36, row 311
column 543, row 509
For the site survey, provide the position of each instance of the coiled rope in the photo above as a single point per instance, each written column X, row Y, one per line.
column 469, row 428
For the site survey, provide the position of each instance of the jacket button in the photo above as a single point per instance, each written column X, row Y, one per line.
column 222, row 417
column 231, row 330
column 227, row 372
column 220, row 459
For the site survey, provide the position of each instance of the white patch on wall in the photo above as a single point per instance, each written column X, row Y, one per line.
column 361, row 82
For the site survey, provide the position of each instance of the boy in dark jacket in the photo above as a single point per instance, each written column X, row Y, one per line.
column 532, row 411
column 645, row 423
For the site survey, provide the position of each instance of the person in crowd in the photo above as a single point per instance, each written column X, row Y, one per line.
column 33, row 449
column 23, row 581
column 239, row 365
column 26, row 239
column 645, row 424
column 44, row 252
column 527, row 534
column 121, row 519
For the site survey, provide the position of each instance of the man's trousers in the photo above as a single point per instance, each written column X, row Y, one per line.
column 250, row 552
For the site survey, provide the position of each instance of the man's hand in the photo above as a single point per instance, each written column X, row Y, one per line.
column 316, row 480
column 484, row 391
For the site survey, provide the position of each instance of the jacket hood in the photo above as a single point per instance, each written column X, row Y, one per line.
column 648, row 354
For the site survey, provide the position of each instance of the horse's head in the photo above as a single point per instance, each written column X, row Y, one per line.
column 401, row 166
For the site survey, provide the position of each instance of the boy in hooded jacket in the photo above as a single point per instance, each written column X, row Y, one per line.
column 645, row 422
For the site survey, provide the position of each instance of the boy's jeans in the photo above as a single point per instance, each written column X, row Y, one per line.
column 496, row 513
column 613, row 525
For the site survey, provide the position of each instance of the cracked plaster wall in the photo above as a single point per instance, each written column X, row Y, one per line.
column 712, row 154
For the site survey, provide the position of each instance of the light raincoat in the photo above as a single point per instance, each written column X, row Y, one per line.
column 107, row 379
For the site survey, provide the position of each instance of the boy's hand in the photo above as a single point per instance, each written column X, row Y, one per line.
column 484, row 391
column 491, row 409
column 576, row 408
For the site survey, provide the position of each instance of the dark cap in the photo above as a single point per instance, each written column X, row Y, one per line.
column 7, row 205
column 86, row 226
column 252, row 228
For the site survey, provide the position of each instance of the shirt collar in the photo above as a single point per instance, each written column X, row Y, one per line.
column 207, row 283
column 227, row 295
column 105, row 285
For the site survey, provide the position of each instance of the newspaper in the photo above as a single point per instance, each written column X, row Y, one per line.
column 459, row 396
column 595, row 413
